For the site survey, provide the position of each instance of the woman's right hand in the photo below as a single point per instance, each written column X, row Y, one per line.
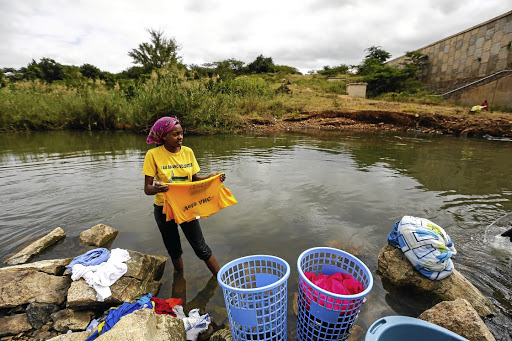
column 160, row 187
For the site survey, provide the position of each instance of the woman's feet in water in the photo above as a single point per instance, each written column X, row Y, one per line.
column 178, row 265
column 212, row 265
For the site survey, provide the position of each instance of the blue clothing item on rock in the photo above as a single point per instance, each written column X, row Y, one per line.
column 92, row 257
column 115, row 314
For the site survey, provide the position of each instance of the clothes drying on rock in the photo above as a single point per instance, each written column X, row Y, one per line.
column 194, row 323
column 186, row 201
column 425, row 244
column 100, row 277
column 174, row 302
column 92, row 257
column 162, row 307
column 115, row 314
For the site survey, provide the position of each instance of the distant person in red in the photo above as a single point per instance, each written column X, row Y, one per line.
column 478, row 108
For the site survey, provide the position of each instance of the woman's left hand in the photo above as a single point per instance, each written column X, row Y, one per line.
column 222, row 176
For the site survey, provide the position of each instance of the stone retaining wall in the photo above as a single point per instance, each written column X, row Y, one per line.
column 476, row 52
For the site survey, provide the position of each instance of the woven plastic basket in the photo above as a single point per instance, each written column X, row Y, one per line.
column 255, row 293
column 323, row 315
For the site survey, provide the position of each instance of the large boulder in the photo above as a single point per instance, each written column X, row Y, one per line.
column 125, row 289
column 15, row 324
column 142, row 277
column 36, row 247
column 145, row 324
column 27, row 286
column 52, row 267
column 400, row 278
column 98, row 235
column 142, row 266
column 460, row 317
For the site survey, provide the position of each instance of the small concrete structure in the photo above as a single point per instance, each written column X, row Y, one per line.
column 357, row 89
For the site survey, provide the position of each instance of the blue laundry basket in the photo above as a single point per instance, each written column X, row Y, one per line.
column 255, row 293
column 323, row 315
column 404, row 328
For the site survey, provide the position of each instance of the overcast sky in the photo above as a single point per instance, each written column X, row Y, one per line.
column 306, row 34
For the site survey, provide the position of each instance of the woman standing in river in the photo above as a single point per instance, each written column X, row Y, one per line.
column 171, row 161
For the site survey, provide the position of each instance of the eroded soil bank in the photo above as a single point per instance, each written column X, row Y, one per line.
column 476, row 125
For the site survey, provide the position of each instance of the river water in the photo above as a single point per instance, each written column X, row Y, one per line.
column 294, row 190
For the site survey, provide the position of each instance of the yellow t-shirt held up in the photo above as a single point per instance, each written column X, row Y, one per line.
column 187, row 201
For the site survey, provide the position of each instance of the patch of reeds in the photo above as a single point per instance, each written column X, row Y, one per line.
column 202, row 106
column 34, row 105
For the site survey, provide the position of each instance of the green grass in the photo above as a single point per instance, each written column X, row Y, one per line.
column 204, row 106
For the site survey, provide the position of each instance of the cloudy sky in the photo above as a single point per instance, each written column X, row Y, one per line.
column 306, row 34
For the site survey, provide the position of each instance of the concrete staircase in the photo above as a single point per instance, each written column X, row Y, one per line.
column 456, row 87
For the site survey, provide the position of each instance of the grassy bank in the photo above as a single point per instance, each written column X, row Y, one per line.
column 204, row 106
column 32, row 105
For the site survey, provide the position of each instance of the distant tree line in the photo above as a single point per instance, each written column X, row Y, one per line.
column 161, row 52
column 156, row 54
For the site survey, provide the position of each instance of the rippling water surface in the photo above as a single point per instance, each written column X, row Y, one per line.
column 295, row 191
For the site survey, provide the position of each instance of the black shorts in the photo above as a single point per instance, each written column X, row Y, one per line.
column 171, row 236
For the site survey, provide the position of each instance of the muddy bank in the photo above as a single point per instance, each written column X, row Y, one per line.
column 464, row 125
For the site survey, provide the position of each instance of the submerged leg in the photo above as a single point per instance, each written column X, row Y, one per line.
column 178, row 264
column 212, row 264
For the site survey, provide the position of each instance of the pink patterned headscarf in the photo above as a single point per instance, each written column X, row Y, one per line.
column 160, row 128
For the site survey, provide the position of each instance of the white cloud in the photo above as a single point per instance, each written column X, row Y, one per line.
column 305, row 34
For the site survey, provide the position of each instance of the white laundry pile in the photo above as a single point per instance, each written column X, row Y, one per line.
column 102, row 276
column 194, row 323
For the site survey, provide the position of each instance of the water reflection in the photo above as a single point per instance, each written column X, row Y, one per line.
column 179, row 290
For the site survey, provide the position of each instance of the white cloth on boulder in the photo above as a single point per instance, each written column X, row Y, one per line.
column 102, row 276
column 194, row 323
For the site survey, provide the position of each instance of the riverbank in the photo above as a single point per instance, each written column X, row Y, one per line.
column 262, row 103
column 364, row 114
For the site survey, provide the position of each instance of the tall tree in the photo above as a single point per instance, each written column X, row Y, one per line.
column 261, row 65
column 160, row 51
column 373, row 61
column 32, row 71
column 377, row 52
column 416, row 63
column 90, row 71
column 52, row 71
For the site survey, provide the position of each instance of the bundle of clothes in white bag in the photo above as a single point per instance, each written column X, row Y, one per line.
column 425, row 244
